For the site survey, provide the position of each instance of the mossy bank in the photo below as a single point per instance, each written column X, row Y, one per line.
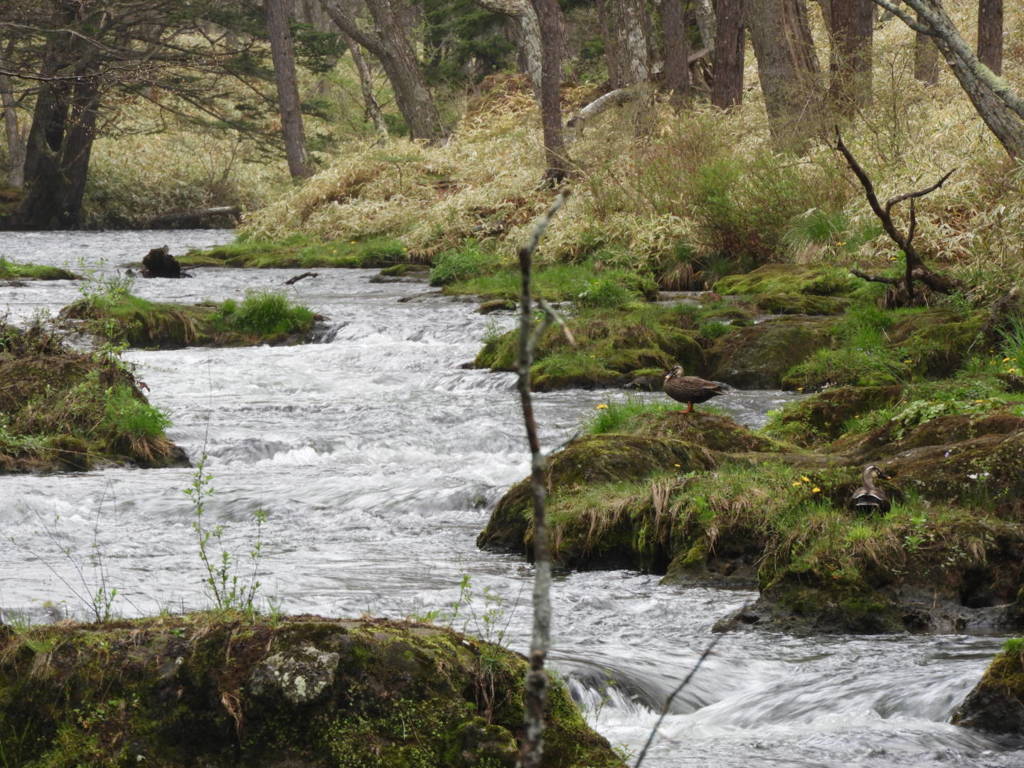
column 304, row 691
column 996, row 703
column 16, row 272
column 61, row 409
column 704, row 500
column 260, row 318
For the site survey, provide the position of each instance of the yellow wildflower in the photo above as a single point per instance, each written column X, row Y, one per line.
column 815, row 489
column 805, row 478
column 601, row 406
column 796, row 483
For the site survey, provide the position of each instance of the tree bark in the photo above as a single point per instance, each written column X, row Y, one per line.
column 555, row 156
column 788, row 69
column 370, row 103
column 282, row 52
column 926, row 59
column 15, row 134
column 727, row 60
column 704, row 12
column 392, row 48
column 998, row 105
column 851, row 28
column 990, row 34
column 677, row 51
column 536, row 689
column 528, row 35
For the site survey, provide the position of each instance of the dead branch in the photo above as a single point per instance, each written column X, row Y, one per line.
column 294, row 280
column 536, row 679
column 914, row 264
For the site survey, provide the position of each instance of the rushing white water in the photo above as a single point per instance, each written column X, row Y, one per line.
column 377, row 458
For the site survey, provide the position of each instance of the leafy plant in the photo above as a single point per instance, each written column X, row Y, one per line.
column 229, row 589
column 265, row 313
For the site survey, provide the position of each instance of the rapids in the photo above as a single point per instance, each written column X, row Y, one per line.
column 376, row 458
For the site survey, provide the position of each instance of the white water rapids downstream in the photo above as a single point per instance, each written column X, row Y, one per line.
column 377, row 459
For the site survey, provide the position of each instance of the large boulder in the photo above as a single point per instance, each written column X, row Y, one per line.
column 757, row 357
column 220, row 691
column 996, row 703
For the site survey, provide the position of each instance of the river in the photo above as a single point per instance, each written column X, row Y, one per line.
column 376, row 457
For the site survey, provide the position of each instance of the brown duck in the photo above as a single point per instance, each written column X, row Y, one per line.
column 869, row 497
column 690, row 389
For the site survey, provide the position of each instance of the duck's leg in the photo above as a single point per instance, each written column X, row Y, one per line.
column 689, row 408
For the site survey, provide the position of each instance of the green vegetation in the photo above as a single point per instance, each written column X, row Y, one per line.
column 10, row 270
column 64, row 409
column 300, row 251
column 702, row 499
column 263, row 317
column 219, row 689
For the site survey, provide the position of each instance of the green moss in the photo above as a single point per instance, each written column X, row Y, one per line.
column 300, row 251
column 801, row 304
column 612, row 347
column 759, row 356
column 472, row 272
column 10, row 270
column 62, row 409
column 775, row 279
column 221, row 691
column 263, row 317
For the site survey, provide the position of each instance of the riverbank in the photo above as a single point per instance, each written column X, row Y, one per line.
column 67, row 410
column 224, row 690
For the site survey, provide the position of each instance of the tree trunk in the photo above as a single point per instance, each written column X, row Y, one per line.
column 996, row 102
column 677, row 51
column 826, row 12
column 283, row 53
column 527, row 35
column 550, row 102
column 852, row 27
column 990, row 34
column 15, row 134
column 788, row 69
column 704, row 12
column 370, row 103
column 727, row 61
column 926, row 59
column 392, row 48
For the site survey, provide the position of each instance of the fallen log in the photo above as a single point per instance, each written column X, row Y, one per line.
column 194, row 217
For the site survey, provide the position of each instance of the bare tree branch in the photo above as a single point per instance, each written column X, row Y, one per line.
column 536, row 678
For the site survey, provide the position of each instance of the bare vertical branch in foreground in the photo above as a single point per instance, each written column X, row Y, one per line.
column 536, row 679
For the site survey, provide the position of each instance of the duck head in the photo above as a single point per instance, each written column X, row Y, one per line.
column 874, row 472
column 677, row 371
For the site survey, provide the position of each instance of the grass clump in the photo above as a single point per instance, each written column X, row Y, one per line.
column 262, row 317
column 63, row 409
column 460, row 264
column 300, row 251
column 620, row 415
column 10, row 270
column 264, row 313
column 585, row 285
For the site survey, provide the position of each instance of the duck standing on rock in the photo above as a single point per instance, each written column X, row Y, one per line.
column 690, row 389
column 869, row 497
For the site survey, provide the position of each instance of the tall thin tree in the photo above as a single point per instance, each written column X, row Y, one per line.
column 788, row 69
column 851, row 27
column 727, row 60
column 555, row 157
column 990, row 34
column 677, row 50
column 282, row 51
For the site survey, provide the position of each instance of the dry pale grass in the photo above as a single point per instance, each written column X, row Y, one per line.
column 632, row 194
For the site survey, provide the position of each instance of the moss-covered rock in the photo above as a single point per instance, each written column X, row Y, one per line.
column 589, row 460
column 822, row 417
column 10, row 270
column 261, row 318
column 800, row 304
column 611, row 349
column 304, row 691
column 65, row 410
column 759, row 356
column 806, row 279
column 996, row 703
